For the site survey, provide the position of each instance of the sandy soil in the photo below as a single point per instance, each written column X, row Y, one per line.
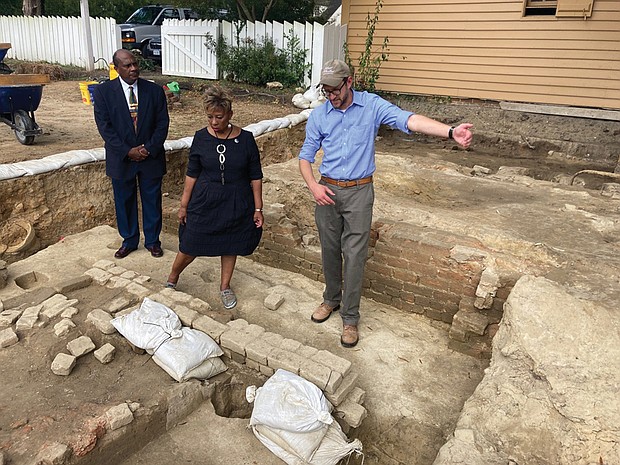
column 68, row 124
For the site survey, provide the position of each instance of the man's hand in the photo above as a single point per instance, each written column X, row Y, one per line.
column 138, row 153
column 462, row 134
column 322, row 194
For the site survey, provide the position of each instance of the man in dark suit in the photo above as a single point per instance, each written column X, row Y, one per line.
column 132, row 118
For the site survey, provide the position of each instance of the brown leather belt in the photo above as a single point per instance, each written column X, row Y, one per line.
column 353, row 183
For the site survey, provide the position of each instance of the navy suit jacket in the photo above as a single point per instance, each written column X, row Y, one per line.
column 116, row 128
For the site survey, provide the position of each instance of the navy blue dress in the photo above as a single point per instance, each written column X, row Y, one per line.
column 220, row 217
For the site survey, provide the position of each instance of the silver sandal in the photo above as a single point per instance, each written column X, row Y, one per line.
column 229, row 299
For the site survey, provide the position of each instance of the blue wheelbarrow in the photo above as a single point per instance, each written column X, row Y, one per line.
column 4, row 48
column 20, row 96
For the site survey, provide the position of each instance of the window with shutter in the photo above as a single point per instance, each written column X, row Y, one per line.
column 558, row 8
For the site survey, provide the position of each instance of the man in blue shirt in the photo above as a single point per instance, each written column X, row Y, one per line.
column 346, row 127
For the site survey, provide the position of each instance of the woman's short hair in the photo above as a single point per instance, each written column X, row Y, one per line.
column 217, row 97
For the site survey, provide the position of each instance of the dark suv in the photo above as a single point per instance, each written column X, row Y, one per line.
column 145, row 24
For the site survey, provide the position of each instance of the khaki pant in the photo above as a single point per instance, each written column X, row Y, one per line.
column 344, row 230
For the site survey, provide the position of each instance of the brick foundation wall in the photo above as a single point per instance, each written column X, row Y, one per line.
column 413, row 268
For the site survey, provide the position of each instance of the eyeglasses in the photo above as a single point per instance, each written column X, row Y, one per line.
column 335, row 92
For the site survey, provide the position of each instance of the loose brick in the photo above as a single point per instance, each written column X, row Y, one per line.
column 353, row 414
column 119, row 303
column 118, row 416
column 273, row 301
column 53, row 454
column 105, row 353
column 98, row 275
column 102, row 321
column 28, row 318
column 63, row 364
column 8, row 337
column 80, row 346
column 8, row 317
column 69, row 312
column 74, row 284
column 54, row 307
column 63, row 327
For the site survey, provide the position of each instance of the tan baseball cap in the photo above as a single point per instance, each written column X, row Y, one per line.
column 333, row 72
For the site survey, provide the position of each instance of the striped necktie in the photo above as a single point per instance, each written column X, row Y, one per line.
column 133, row 108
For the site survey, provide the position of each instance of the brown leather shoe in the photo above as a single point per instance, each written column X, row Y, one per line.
column 323, row 312
column 123, row 252
column 349, row 336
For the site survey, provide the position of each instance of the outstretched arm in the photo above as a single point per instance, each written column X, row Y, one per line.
column 461, row 133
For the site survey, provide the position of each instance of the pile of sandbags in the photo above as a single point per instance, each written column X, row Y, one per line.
column 292, row 418
column 182, row 352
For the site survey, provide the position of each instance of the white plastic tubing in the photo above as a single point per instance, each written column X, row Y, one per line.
column 79, row 157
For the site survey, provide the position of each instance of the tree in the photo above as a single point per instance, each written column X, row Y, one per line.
column 32, row 7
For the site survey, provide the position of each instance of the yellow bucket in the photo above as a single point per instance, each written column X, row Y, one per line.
column 84, row 91
column 113, row 73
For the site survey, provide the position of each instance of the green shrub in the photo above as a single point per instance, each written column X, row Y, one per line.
column 370, row 60
column 259, row 63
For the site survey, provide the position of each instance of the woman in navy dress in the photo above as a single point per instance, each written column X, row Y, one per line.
column 221, row 212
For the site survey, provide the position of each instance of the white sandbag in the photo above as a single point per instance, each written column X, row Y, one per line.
column 208, row 369
column 313, row 93
column 335, row 446
column 317, row 103
column 182, row 354
column 148, row 326
column 289, row 402
column 291, row 447
column 294, row 448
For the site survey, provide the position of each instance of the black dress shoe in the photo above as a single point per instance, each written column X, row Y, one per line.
column 123, row 252
column 156, row 251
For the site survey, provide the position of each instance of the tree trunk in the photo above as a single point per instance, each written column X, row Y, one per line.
column 32, row 7
column 244, row 9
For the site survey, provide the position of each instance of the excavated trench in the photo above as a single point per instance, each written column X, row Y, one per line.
column 43, row 210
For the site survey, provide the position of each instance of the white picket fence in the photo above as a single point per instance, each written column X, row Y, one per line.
column 58, row 39
column 185, row 49
column 184, row 45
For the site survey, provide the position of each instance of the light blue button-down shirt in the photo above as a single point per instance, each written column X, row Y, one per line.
column 348, row 137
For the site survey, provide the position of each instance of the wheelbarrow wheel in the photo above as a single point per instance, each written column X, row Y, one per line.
column 23, row 123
